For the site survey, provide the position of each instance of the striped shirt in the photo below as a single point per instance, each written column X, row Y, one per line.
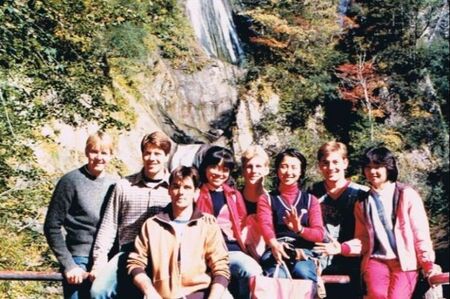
column 133, row 201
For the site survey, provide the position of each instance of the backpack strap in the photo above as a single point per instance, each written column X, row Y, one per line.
column 398, row 193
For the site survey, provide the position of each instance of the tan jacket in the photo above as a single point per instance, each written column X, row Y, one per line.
column 180, row 267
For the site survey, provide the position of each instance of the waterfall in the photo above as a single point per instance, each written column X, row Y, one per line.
column 214, row 27
column 187, row 155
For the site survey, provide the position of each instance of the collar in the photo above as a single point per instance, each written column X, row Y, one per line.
column 386, row 192
column 138, row 178
column 166, row 214
column 226, row 189
column 85, row 171
column 289, row 189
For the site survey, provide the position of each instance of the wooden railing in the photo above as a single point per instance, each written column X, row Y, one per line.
column 438, row 279
column 56, row 276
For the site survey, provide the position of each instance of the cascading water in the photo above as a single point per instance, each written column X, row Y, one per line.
column 214, row 27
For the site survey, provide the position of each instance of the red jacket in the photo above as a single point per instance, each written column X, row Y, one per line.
column 236, row 207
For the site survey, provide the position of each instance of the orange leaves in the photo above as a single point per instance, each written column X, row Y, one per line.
column 268, row 42
column 354, row 70
column 349, row 23
column 361, row 83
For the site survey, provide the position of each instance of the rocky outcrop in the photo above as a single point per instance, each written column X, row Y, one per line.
column 190, row 107
column 253, row 106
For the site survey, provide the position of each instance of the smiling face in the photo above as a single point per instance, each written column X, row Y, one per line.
column 98, row 156
column 289, row 171
column 376, row 175
column 182, row 191
column 154, row 159
column 217, row 175
column 255, row 170
column 333, row 166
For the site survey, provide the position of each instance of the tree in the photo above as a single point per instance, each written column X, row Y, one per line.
column 361, row 83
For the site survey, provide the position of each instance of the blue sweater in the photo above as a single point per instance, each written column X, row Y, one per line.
column 77, row 204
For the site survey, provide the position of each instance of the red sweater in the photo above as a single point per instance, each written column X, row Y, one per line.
column 315, row 230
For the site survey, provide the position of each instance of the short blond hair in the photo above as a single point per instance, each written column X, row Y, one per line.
column 331, row 147
column 102, row 139
column 253, row 151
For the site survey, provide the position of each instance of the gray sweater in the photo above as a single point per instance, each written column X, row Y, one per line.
column 77, row 203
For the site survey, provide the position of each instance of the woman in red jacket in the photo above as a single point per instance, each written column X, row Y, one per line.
column 290, row 219
column 226, row 203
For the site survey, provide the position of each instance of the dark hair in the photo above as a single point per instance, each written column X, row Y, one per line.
column 182, row 172
column 383, row 157
column 216, row 155
column 291, row 152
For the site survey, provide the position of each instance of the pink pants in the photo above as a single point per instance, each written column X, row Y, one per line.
column 386, row 280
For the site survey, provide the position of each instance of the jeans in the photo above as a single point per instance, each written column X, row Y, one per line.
column 242, row 267
column 305, row 269
column 78, row 291
column 113, row 280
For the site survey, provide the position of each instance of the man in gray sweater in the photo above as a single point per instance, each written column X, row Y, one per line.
column 76, row 205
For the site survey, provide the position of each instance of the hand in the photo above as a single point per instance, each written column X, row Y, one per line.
column 75, row 275
column 292, row 219
column 210, row 219
column 331, row 248
column 436, row 269
column 144, row 284
column 92, row 275
column 278, row 251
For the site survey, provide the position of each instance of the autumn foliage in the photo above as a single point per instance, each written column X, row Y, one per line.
column 361, row 83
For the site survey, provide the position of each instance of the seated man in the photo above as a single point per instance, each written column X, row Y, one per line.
column 337, row 197
column 180, row 253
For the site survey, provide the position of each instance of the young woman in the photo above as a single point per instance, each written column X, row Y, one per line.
column 290, row 219
column 255, row 167
column 392, row 232
column 226, row 203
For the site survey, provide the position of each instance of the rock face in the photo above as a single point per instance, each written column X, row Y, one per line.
column 190, row 107
column 197, row 107
column 250, row 111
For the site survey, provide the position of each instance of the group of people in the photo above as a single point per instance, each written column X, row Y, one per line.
column 192, row 233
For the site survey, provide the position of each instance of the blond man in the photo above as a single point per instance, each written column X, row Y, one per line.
column 76, row 205
column 337, row 196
